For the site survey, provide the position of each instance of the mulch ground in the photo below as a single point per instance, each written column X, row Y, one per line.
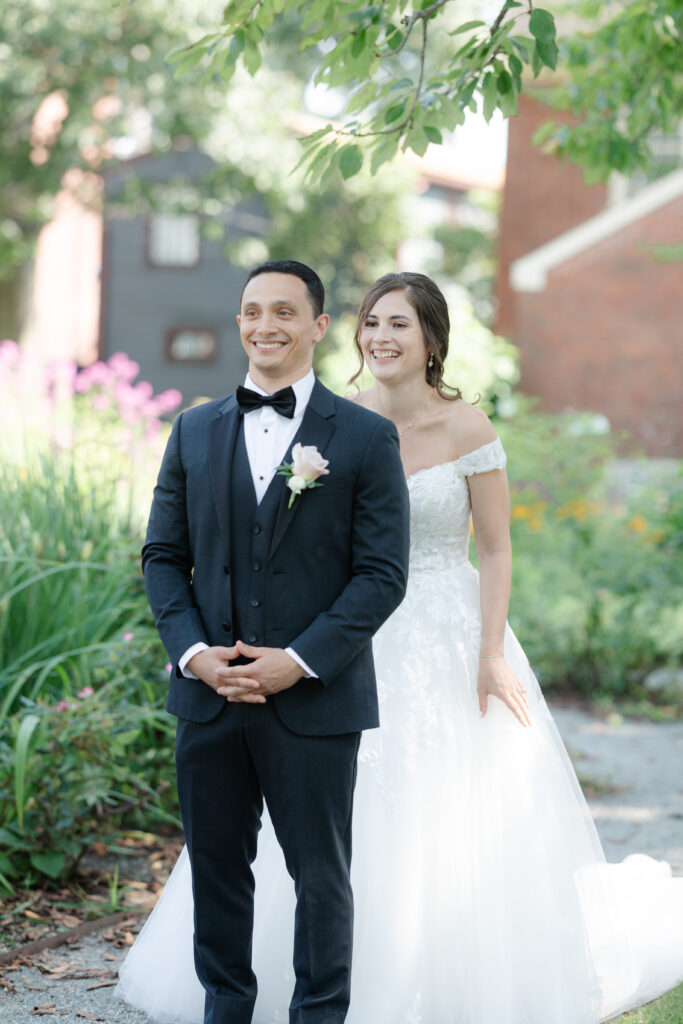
column 113, row 886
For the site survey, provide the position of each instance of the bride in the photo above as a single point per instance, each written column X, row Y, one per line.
column 482, row 893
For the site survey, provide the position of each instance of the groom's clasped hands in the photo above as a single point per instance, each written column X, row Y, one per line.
column 270, row 671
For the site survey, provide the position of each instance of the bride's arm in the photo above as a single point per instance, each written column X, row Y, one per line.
column 490, row 500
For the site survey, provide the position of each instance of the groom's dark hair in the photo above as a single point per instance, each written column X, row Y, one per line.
column 314, row 285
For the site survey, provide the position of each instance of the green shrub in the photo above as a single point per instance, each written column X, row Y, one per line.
column 597, row 593
column 85, row 766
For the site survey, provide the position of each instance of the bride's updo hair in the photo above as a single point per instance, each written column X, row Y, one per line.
column 432, row 312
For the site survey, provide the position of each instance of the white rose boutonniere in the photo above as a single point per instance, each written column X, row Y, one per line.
column 303, row 471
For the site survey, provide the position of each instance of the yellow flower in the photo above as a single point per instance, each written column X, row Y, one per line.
column 638, row 524
column 577, row 508
column 658, row 535
column 519, row 512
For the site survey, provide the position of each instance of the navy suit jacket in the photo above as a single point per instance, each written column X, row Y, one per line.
column 337, row 564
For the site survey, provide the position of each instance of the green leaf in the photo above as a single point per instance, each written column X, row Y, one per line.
column 417, row 141
column 504, row 82
column 547, row 53
column 49, row 864
column 251, row 58
column 362, row 98
column 189, row 61
column 358, row 44
column 490, row 96
column 433, row 134
column 542, row 25
column 466, row 26
column 26, row 730
column 394, row 39
column 350, row 161
column 394, row 112
column 403, row 83
column 383, row 152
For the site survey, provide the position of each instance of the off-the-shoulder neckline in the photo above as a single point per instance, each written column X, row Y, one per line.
column 452, row 462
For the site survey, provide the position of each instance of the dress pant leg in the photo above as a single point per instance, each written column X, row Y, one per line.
column 308, row 784
column 221, row 805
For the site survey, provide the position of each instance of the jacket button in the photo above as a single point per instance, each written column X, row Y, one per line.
column 256, row 528
column 226, row 625
column 226, row 570
column 255, row 603
column 252, row 638
column 256, row 566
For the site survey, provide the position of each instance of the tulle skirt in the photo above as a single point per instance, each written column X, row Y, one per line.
column 482, row 893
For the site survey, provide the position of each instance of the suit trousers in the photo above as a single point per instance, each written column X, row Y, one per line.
column 226, row 767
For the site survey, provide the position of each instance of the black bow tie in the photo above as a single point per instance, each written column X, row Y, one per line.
column 283, row 401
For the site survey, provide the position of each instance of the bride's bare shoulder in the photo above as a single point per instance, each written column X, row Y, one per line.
column 469, row 428
column 360, row 398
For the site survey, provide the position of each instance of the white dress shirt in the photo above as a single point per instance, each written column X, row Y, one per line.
column 267, row 436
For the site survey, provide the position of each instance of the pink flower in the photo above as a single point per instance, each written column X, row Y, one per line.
column 101, row 402
column 98, row 373
column 308, row 463
column 123, row 366
column 169, row 400
column 168, row 666
column 143, row 391
column 63, row 705
column 87, row 691
column 128, row 637
column 9, row 353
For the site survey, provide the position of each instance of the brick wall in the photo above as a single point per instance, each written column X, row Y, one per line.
column 543, row 197
column 607, row 334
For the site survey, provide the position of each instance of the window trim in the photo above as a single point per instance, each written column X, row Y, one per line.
column 151, row 262
column 175, row 330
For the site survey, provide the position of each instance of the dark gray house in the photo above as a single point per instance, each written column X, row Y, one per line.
column 169, row 294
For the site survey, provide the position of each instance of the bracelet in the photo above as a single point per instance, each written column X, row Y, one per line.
column 487, row 657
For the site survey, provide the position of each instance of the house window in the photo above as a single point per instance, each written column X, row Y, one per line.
column 173, row 240
column 191, row 345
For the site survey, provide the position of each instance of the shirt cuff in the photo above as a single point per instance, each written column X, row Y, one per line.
column 310, row 674
column 187, row 656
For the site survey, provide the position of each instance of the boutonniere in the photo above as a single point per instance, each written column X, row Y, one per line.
column 303, row 471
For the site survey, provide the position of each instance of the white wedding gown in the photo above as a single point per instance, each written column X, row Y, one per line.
column 482, row 893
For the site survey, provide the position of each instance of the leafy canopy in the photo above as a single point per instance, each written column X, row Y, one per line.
column 411, row 71
column 402, row 97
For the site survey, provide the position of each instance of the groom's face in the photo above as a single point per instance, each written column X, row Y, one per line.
column 278, row 328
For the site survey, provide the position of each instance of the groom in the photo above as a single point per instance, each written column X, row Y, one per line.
column 266, row 597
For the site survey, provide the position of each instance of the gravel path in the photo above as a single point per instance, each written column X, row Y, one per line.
column 642, row 812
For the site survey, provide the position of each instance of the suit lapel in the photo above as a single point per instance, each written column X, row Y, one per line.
column 222, row 439
column 316, row 429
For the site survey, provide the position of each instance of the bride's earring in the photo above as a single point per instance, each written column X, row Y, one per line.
column 430, row 363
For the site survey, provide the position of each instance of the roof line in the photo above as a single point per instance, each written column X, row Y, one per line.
column 529, row 273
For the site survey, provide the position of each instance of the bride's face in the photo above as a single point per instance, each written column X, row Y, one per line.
column 392, row 341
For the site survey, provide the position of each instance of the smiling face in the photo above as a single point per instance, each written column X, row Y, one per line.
column 279, row 329
column 392, row 340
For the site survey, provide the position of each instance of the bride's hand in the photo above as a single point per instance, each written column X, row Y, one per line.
column 496, row 679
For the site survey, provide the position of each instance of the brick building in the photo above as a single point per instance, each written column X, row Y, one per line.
column 591, row 291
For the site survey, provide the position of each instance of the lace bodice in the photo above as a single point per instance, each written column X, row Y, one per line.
column 440, row 510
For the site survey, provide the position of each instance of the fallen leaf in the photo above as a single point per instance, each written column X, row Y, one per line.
column 100, row 849
column 102, row 984
column 61, row 917
column 47, row 1010
column 32, row 914
column 87, row 1016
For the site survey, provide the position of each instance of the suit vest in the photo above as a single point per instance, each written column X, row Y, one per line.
column 251, row 531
